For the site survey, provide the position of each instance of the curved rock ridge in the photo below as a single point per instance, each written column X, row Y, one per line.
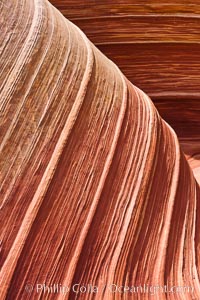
column 94, row 186
column 156, row 45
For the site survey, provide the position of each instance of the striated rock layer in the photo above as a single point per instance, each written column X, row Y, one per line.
column 94, row 186
column 156, row 45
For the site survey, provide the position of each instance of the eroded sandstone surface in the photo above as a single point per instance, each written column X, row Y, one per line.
column 156, row 45
column 94, row 186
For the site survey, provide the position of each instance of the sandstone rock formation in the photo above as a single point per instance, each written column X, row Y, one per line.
column 94, row 186
column 156, row 45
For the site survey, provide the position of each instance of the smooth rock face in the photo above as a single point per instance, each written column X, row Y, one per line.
column 94, row 187
column 156, row 45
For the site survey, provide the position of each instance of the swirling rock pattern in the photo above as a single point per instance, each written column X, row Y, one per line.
column 94, row 186
column 156, row 45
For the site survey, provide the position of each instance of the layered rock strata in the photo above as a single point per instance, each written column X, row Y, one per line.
column 156, row 45
column 94, row 186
